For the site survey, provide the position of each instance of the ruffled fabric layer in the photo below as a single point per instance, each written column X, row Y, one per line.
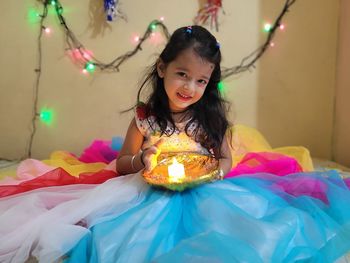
column 251, row 154
column 258, row 218
column 253, row 218
column 268, row 209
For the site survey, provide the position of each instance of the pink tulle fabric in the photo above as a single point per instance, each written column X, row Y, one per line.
column 33, row 174
column 304, row 186
column 265, row 162
column 98, row 151
column 27, row 170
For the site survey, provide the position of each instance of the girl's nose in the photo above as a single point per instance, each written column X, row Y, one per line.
column 189, row 85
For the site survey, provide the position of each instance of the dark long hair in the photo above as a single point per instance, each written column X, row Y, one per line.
column 211, row 110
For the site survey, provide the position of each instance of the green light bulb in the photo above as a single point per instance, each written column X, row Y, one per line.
column 221, row 86
column 60, row 10
column 153, row 26
column 46, row 116
column 267, row 27
column 90, row 67
column 33, row 16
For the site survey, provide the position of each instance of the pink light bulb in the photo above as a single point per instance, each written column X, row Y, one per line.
column 47, row 30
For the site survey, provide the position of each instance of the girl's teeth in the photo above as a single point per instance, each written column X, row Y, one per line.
column 186, row 97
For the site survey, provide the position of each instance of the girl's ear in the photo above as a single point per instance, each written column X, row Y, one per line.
column 160, row 68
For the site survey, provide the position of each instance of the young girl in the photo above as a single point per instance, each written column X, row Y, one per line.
column 185, row 111
column 303, row 217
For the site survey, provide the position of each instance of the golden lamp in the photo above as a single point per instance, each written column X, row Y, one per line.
column 178, row 171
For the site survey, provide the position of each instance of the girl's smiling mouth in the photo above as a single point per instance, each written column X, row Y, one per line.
column 183, row 97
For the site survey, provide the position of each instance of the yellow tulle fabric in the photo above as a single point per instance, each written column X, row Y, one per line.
column 61, row 159
column 71, row 164
column 246, row 139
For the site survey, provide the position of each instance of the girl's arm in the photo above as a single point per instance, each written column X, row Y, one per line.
column 129, row 158
column 225, row 162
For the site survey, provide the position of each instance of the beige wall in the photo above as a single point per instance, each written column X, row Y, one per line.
column 297, row 79
column 342, row 109
column 289, row 97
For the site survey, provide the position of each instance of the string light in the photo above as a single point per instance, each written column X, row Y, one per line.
column 136, row 39
column 153, row 26
column 249, row 61
column 221, row 86
column 267, row 27
column 46, row 116
column 90, row 67
column 47, row 30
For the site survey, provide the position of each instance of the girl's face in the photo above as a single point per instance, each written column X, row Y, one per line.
column 185, row 79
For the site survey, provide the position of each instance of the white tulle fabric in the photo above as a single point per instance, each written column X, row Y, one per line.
column 48, row 222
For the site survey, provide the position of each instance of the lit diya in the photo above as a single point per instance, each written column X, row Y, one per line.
column 178, row 171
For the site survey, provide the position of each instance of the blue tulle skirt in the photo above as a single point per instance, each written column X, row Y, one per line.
column 250, row 218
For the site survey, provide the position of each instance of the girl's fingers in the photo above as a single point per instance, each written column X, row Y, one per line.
column 150, row 157
column 147, row 165
column 159, row 142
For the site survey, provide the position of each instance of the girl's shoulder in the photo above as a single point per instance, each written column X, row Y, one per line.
column 141, row 111
column 145, row 121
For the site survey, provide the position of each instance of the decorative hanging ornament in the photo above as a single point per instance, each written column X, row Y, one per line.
column 111, row 9
column 209, row 12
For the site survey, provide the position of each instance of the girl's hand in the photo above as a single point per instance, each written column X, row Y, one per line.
column 150, row 155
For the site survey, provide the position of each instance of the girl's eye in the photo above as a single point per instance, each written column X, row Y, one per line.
column 182, row 74
column 202, row 82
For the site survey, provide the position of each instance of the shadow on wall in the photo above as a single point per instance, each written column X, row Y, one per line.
column 98, row 23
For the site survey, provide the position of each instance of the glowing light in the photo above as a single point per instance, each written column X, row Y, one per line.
column 84, row 71
column 176, row 171
column 47, row 30
column 272, row 44
column 267, row 27
column 60, row 10
column 136, row 39
column 161, row 18
column 33, row 15
column 282, row 27
column 156, row 38
column 53, row 2
column 153, row 26
column 46, row 116
column 86, row 55
column 90, row 67
column 221, row 86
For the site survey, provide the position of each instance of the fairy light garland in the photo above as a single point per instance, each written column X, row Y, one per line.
column 249, row 61
column 89, row 63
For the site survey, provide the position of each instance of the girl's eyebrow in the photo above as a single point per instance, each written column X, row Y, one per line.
column 181, row 68
column 184, row 69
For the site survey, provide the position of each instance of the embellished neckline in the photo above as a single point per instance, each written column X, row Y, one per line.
column 181, row 116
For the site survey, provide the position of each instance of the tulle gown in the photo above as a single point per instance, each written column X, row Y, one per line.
column 247, row 218
column 271, row 212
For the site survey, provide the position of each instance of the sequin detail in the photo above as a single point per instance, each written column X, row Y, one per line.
column 179, row 141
